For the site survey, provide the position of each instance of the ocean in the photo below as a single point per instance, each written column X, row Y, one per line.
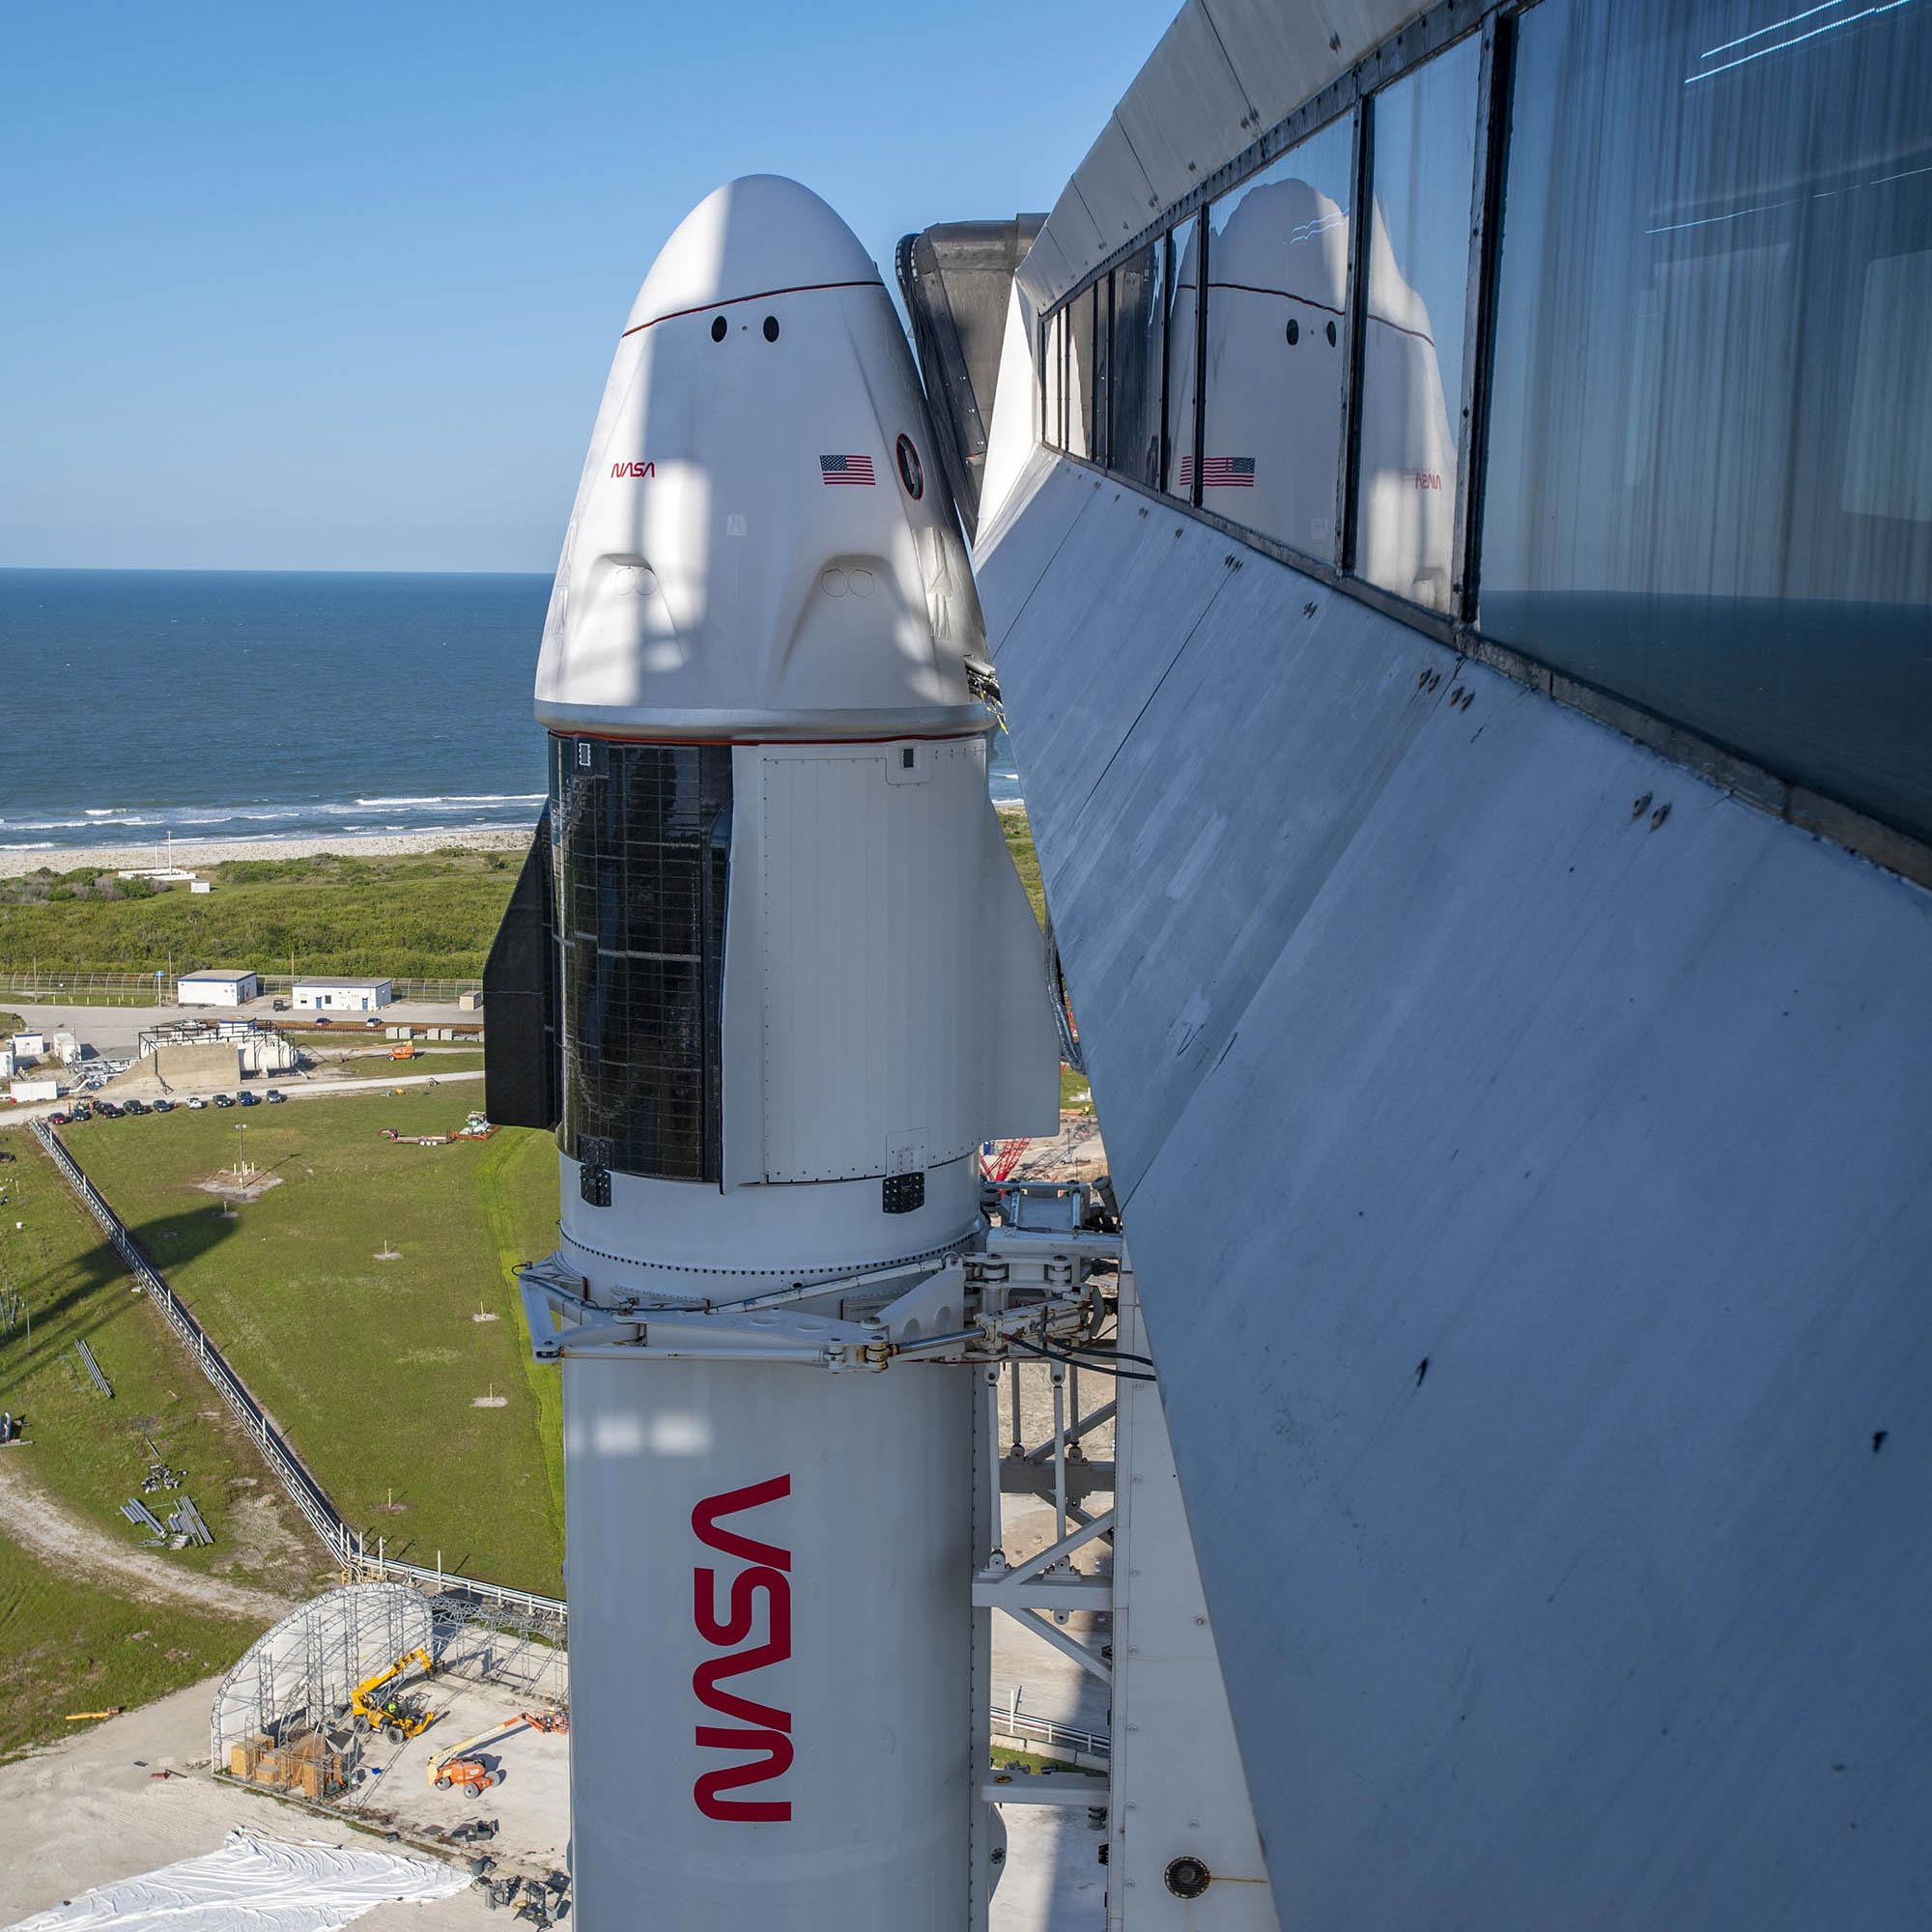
column 255, row 704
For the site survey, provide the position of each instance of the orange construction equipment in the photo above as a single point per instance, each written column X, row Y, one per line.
column 407, row 1051
column 458, row 1767
column 471, row 1772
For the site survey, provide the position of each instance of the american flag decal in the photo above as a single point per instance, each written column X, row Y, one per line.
column 845, row 469
column 1219, row 472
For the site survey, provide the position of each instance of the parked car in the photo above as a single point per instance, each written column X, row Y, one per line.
column 83, row 1109
column 106, row 1110
column 196, row 1102
column 323, row 1020
column 164, row 1106
column 135, row 1107
column 249, row 1099
column 275, row 1095
column 53, row 1120
column 372, row 1025
column 223, row 1100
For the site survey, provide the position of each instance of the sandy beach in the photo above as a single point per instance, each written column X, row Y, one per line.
column 192, row 855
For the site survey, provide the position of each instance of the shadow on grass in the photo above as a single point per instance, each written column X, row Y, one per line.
column 82, row 1307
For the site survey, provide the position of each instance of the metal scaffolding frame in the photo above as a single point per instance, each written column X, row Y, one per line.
column 297, row 1676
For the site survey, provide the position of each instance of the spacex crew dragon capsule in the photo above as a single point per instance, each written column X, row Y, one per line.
column 773, row 979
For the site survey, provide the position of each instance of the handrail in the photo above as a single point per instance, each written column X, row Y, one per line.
column 1044, row 1731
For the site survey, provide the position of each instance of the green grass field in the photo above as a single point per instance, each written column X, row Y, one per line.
column 67, row 1642
column 430, row 916
column 1026, row 861
column 372, row 1368
column 377, row 1060
column 66, row 1645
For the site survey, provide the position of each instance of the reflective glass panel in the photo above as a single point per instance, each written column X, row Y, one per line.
column 1139, row 313
column 1425, row 164
column 1050, row 383
column 1277, row 288
column 1103, row 358
column 1061, row 364
column 1709, row 485
column 1183, row 336
column 1080, row 375
column 641, row 836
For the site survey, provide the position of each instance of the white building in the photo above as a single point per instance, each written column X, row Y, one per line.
column 217, row 989
column 66, row 1049
column 29, row 1046
column 355, row 996
column 24, row 1092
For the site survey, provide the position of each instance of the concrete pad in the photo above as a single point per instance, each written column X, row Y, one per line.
column 1054, row 1879
column 532, row 1804
column 88, row 1811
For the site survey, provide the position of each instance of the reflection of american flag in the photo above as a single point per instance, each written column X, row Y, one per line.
column 844, row 469
column 1220, row 472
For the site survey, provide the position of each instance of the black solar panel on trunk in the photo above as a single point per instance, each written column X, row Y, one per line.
column 642, row 835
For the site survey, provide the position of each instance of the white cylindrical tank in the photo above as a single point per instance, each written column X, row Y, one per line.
column 768, row 1640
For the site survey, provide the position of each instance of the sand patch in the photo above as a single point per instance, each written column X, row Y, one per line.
column 224, row 1186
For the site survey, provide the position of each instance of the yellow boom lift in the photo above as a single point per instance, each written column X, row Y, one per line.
column 407, row 1717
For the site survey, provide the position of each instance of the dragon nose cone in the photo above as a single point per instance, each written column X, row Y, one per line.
column 759, row 234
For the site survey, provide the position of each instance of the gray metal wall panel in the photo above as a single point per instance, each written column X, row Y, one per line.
column 1220, row 872
column 1185, row 113
column 1613, row 1617
column 1223, row 72
column 1044, row 273
column 1115, row 188
column 1283, row 54
column 1020, row 541
column 1074, row 229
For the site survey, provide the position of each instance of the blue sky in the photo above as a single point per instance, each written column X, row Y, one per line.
column 337, row 287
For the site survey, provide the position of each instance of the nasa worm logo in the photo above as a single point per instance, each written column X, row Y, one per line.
column 762, row 1728
column 633, row 469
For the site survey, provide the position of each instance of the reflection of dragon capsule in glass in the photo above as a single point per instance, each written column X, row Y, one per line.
column 771, row 974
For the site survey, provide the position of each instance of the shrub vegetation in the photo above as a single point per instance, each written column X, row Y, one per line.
column 429, row 915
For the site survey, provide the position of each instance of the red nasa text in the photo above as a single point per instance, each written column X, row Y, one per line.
column 633, row 469
column 757, row 1727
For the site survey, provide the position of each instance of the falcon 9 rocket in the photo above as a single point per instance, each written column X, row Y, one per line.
column 773, row 979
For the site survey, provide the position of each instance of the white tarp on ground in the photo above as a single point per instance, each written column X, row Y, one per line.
column 253, row 1884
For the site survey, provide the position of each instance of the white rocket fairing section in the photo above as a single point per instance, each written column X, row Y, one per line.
column 798, row 983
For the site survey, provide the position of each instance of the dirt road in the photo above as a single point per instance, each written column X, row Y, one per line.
column 31, row 1519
